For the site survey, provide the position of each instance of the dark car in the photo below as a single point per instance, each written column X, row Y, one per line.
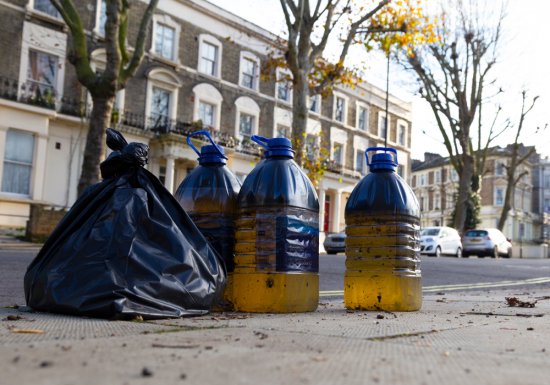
column 335, row 243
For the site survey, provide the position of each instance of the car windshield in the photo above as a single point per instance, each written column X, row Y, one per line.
column 475, row 233
column 430, row 232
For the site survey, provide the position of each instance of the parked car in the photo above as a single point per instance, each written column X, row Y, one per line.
column 486, row 242
column 437, row 241
column 335, row 243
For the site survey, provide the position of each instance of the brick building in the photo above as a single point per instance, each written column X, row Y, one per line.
column 202, row 63
column 435, row 183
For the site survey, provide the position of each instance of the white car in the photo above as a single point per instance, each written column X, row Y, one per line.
column 486, row 242
column 437, row 241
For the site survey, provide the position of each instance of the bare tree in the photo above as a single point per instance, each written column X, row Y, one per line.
column 304, row 52
column 519, row 155
column 453, row 74
column 120, row 66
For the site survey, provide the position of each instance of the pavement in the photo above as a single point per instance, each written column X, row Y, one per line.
column 457, row 338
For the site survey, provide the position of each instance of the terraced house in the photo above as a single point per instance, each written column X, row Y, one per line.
column 202, row 69
column 435, row 183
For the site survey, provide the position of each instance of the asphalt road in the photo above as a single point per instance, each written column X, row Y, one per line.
column 438, row 274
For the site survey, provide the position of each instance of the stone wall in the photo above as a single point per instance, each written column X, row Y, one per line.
column 42, row 221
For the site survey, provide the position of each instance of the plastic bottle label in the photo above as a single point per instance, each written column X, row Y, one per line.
column 297, row 245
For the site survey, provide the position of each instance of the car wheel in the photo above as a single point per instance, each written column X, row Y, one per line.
column 459, row 253
column 495, row 252
column 331, row 252
column 464, row 255
column 438, row 252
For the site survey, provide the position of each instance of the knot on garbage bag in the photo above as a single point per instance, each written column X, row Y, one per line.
column 125, row 156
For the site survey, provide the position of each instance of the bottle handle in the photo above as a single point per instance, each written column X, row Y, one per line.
column 260, row 140
column 385, row 149
column 207, row 134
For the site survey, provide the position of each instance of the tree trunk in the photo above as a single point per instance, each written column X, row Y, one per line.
column 300, row 93
column 507, row 205
column 464, row 189
column 95, row 141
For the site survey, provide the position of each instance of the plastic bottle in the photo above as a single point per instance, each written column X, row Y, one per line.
column 382, row 243
column 277, row 236
column 209, row 195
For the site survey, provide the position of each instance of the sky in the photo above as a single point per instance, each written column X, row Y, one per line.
column 524, row 64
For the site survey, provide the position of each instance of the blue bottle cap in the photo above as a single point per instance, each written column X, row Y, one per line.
column 211, row 153
column 275, row 146
column 382, row 160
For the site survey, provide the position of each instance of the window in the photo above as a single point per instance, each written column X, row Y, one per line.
column 437, row 201
column 401, row 134
column 246, row 126
column 18, row 156
column 161, row 99
column 382, row 125
column 499, row 196
column 454, row 175
column 422, row 179
column 499, row 169
column 284, row 86
column 164, row 41
column 207, row 105
column 42, row 72
column 209, row 58
column 337, row 153
column 422, row 204
column 362, row 116
column 401, row 171
column 360, row 161
column 437, row 176
column 315, row 103
column 312, row 148
column 207, row 114
column 162, row 174
column 546, row 207
column 250, row 65
column 46, row 6
column 283, row 131
column 160, row 107
column 248, row 116
column 340, row 107
column 101, row 17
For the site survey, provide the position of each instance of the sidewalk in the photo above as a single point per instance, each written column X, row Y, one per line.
column 468, row 338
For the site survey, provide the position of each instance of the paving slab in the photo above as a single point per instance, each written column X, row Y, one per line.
column 455, row 339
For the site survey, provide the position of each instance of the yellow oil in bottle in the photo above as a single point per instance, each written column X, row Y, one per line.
column 382, row 262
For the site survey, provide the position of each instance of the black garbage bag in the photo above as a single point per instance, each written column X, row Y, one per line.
column 125, row 248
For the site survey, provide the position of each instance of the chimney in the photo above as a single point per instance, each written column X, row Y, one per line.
column 429, row 156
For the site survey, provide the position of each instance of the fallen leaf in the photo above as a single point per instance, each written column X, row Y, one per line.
column 515, row 301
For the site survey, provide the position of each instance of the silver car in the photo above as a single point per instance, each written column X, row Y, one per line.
column 437, row 241
column 486, row 242
column 335, row 243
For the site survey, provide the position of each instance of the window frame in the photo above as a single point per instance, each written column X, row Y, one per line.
column 249, row 56
column 97, row 26
column 345, row 99
column 30, row 165
column 207, row 93
column 502, row 192
column 365, row 107
column 248, row 106
column 319, row 99
column 401, row 124
column 54, row 43
column 31, row 6
column 211, row 40
column 381, row 117
column 163, row 79
column 286, row 76
column 171, row 23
